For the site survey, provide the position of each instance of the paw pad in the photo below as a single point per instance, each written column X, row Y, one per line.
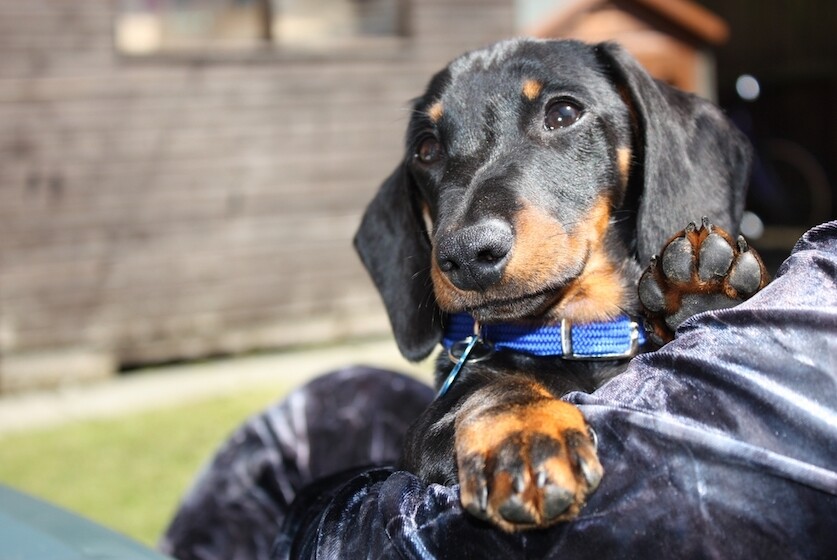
column 701, row 268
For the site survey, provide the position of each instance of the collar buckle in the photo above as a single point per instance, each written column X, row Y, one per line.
column 569, row 354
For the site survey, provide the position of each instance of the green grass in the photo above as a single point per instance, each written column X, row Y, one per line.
column 126, row 473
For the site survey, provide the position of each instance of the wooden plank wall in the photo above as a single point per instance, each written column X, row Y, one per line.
column 176, row 208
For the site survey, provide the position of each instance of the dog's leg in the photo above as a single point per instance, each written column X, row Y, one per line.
column 525, row 458
column 701, row 268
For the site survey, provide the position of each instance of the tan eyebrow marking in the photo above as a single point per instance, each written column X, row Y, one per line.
column 532, row 89
column 623, row 159
column 435, row 111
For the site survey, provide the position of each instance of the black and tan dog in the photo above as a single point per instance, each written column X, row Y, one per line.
column 538, row 176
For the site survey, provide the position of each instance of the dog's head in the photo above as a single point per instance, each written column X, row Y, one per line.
column 536, row 174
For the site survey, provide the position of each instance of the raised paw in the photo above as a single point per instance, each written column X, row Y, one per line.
column 701, row 268
column 528, row 467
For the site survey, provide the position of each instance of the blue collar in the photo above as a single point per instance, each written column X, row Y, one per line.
column 612, row 340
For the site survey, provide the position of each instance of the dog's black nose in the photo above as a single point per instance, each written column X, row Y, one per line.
column 474, row 257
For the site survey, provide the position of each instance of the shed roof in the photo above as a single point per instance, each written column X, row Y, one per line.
column 688, row 16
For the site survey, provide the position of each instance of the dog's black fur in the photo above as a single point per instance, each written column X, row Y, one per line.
column 538, row 175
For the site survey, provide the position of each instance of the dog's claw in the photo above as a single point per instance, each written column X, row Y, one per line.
column 650, row 293
column 678, row 260
column 519, row 483
column 479, row 507
column 515, row 510
column 702, row 269
column 745, row 277
column 556, row 501
column 715, row 257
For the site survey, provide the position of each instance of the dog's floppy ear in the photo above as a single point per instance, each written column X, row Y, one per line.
column 395, row 248
column 694, row 162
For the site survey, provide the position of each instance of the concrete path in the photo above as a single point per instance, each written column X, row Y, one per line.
column 179, row 384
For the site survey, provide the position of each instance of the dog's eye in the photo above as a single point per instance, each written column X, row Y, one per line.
column 429, row 151
column 561, row 114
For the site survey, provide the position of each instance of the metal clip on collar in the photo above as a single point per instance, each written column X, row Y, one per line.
column 473, row 349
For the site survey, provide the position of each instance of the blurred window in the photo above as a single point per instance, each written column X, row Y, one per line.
column 151, row 26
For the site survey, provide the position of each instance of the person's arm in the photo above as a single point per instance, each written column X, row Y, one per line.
column 722, row 444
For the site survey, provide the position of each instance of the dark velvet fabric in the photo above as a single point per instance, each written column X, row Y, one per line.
column 723, row 444
column 350, row 418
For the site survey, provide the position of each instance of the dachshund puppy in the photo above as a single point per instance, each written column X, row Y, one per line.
column 537, row 177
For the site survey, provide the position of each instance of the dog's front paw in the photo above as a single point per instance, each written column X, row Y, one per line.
column 701, row 268
column 529, row 467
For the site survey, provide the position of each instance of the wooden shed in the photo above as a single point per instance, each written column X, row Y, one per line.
column 673, row 39
column 182, row 179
